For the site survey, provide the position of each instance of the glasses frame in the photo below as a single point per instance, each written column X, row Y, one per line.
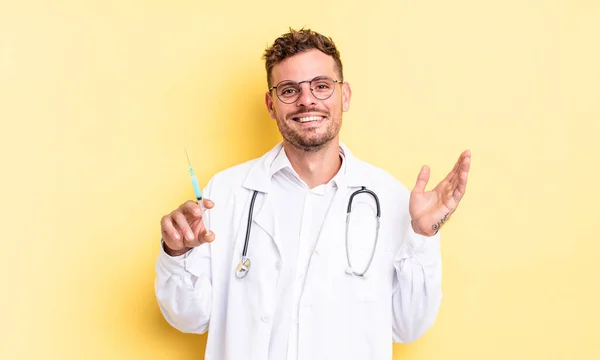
column 311, row 88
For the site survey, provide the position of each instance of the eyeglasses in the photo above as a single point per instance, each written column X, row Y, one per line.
column 322, row 87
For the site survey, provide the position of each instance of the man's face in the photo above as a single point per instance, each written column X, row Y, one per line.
column 309, row 123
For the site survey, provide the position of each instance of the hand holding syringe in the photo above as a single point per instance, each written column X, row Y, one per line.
column 184, row 228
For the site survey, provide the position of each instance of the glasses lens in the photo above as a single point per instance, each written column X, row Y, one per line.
column 288, row 91
column 322, row 87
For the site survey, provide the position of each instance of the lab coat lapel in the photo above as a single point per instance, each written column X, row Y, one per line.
column 265, row 217
column 258, row 179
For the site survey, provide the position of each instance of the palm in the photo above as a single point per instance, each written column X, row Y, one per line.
column 430, row 209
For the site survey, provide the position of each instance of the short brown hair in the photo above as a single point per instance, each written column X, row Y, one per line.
column 297, row 41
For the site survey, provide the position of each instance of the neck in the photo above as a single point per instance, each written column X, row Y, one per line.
column 318, row 167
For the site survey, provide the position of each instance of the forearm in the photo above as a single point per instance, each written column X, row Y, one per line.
column 418, row 286
column 184, row 297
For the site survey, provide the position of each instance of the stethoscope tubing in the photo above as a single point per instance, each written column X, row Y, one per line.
column 249, row 225
column 244, row 266
column 350, row 269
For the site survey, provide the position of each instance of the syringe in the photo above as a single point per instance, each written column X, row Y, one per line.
column 196, row 186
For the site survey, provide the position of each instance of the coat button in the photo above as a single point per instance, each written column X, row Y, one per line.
column 278, row 266
column 264, row 319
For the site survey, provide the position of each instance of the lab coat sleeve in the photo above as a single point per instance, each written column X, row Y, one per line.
column 183, row 287
column 184, row 290
column 417, row 286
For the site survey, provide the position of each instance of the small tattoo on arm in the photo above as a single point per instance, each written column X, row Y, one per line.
column 436, row 227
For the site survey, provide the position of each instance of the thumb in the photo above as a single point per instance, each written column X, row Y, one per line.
column 422, row 180
column 208, row 203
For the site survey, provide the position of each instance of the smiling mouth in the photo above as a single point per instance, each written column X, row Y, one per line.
column 305, row 119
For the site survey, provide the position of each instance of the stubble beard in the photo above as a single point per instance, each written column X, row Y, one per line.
column 308, row 142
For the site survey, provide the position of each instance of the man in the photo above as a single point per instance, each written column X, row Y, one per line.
column 319, row 284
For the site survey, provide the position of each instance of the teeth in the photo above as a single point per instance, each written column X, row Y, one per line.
column 310, row 118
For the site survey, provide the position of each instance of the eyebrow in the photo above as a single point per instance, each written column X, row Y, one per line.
column 306, row 80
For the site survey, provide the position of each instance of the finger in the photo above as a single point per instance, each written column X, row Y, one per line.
column 422, row 180
column 169, row 233
column 201, row 234
column 209, row 204
column 191, row 210
column 464, row 168
column 462, row 183
column 453, row 184
column 454, row 172
column 208, row 237
column 191, row 243
column 461, row 166
column 182, row 224
column 196, row 240
column 466, row 163
column 447, row 184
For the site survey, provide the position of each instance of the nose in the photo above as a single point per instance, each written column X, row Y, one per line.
column 306, row 96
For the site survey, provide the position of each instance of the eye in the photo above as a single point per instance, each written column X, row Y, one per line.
column 288, row 91
column 322, row 84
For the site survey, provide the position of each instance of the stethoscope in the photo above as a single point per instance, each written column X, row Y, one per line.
column 244, row 266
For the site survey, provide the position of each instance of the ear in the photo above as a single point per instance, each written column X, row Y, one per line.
column 270, row 105
column 346, row 95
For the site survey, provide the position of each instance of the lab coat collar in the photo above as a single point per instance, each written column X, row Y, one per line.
column 259, row 176
column 282, row 163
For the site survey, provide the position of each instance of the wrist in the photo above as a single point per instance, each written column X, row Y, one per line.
column 174, row 253
column 414, row 227
column 420, row 231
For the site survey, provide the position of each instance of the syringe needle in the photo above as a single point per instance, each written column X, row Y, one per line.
column 188, row 158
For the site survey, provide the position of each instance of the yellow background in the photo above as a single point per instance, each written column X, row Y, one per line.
column 99, row 98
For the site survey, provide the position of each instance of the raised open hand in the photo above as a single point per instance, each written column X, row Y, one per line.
column 429, row 210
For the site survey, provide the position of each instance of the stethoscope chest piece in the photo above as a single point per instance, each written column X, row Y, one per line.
column 243, row 267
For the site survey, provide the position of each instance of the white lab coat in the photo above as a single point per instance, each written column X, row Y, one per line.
column 341, row 316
